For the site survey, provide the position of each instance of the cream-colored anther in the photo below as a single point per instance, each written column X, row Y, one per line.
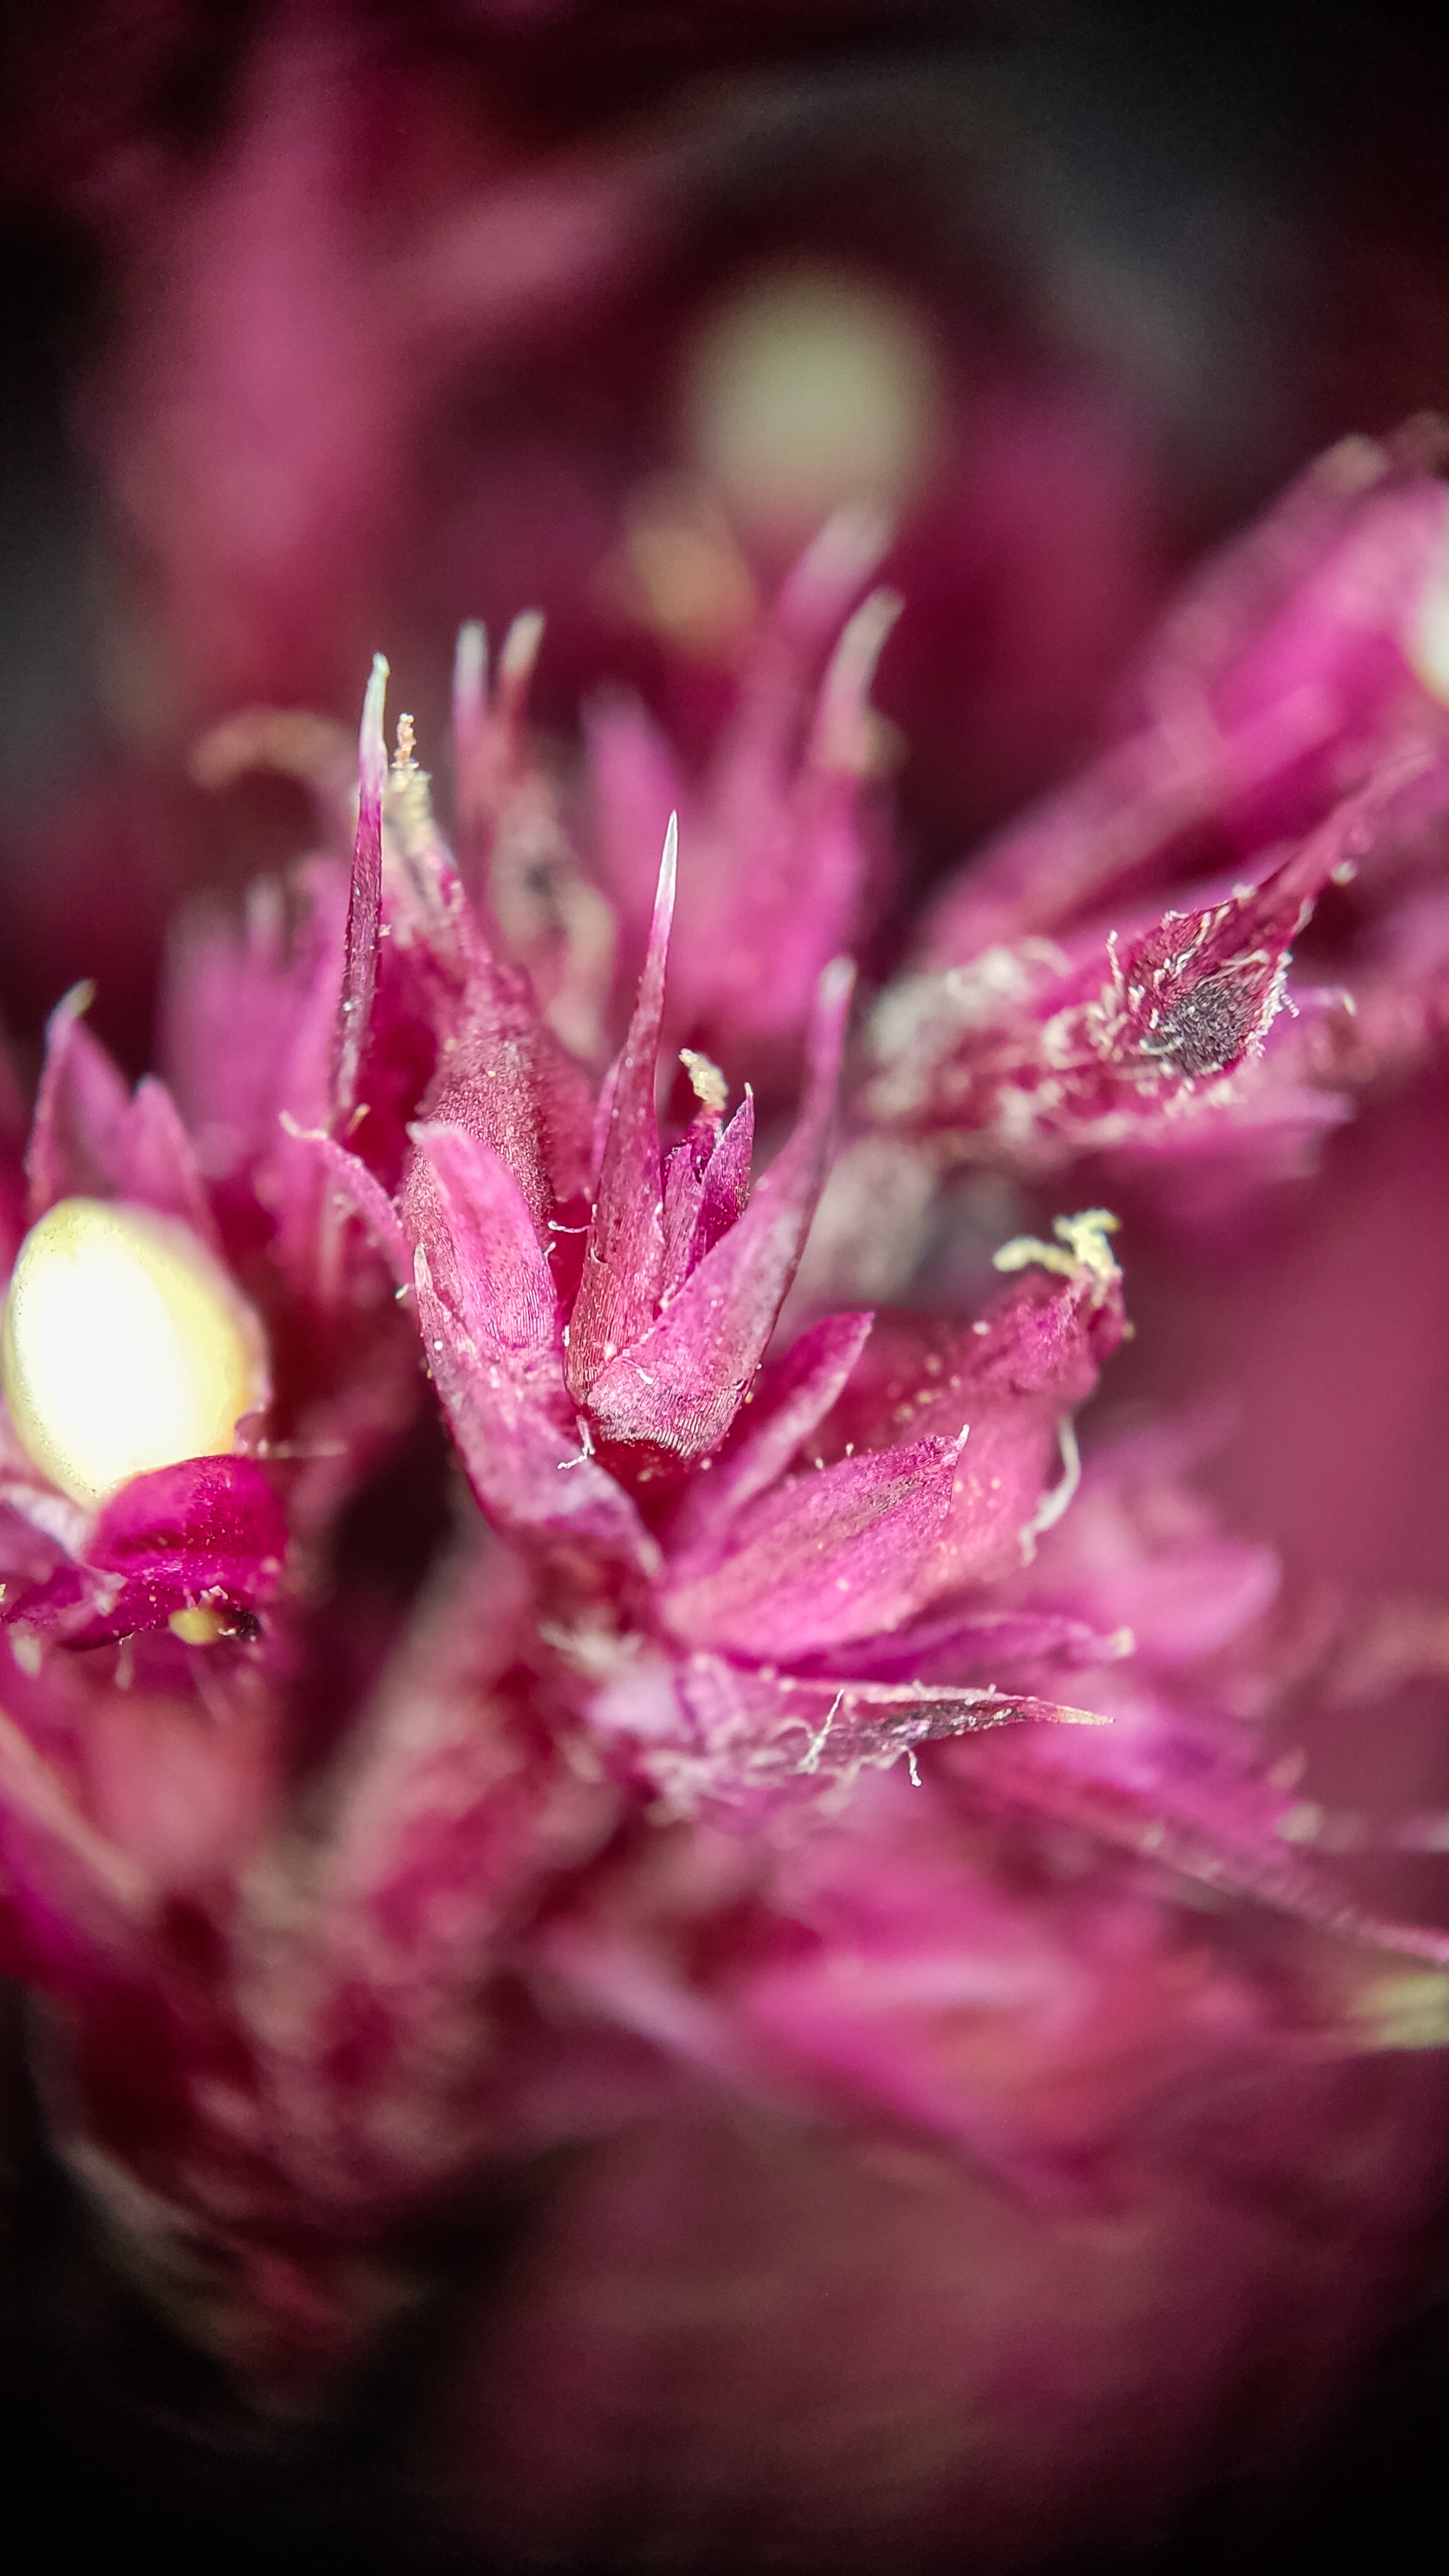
column 125, row 1347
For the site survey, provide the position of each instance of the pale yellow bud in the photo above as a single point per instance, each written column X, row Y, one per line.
column 125, row 1347
column 810, row 390
column 1427, row 641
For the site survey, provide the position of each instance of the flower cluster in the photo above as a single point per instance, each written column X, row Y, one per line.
column 778, row 1713
column 1284, row 738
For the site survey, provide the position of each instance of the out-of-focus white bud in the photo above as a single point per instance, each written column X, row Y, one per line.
column 125, row 1347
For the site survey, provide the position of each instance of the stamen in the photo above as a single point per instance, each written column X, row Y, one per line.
column 705, row 1080
column 125, row 1347
column 1081, row 1249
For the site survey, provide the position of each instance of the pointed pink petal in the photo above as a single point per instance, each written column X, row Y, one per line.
column 1126, row 1046
column 503, row 1075
column 91, row 1139
column 971, row 1644
column 1199, row 1837
column 159, row 1164
column 754, row 1726
column 490, row 1325
column 623, row 1259
column 1037, row 1358
column 79, row 1111
column 683, row 1190
column 706, row 1185
column 364, row 907
column 1278, row 682
column 726, row 1181
column 634, row 786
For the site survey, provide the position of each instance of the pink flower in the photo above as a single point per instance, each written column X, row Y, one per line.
column 875, row 1842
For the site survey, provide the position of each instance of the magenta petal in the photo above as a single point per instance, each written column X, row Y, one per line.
column 1019, row 1381
column 92, row 1140
column 726, row 1181
column 489, row 1321
column 624, row 1256
column 706, row 1186
column 364, row 907
column 683, row 1189
column 794, row 1395
column 753, row 1726
column 1219, row 1836
column 250, row 1017
column 634, row 786
column 1196, row 995
column 1014, row 1377
column 209, row 1530
column 1128, row 1045
column 498, row 1071
column 1277, row 683
column 484, row 1254
column 160, row 1169
column 681, row 1383
column 789, row 896
column 503, row 1076
column 833, row 1554
column 524, row 1462
column 972, row 1644
column 205, row 1513
column 367, row 1199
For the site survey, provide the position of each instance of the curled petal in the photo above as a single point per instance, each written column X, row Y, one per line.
column 206, row 1534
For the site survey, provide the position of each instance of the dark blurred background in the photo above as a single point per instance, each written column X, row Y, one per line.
column 327, row 326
